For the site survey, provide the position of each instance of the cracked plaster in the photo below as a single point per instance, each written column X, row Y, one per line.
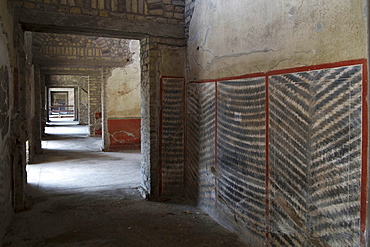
column 123, row 87
column 226, row 42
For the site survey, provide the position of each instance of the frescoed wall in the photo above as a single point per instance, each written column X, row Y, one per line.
column 279, row 155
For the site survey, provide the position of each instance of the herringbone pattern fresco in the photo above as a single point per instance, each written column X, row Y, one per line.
column 336, row 156
column 289, row 131
column 172, row 134
column 192, row 142
column 241, row 152
column 199, row 180
column 315, row 157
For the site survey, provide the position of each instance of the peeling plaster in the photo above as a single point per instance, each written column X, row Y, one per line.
column 118, row 132
column 123, row 87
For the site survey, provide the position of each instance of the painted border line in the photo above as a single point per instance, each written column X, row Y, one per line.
column 216, row 144
column 365, row 127
column 288, row 71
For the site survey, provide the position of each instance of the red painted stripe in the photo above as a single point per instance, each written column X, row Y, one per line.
column 232, row 78
column 364, row 175
column 318, row 67
column 365, row 131
column 267, row 160
column 216, row 142
column 172, row 77
column 288, row 71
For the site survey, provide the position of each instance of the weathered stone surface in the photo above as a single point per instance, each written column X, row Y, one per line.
column 57, row 49
column 102, row 15
column 258, row 37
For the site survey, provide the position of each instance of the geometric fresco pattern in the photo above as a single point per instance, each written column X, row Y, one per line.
column 315, row 157
column 172, row 145
column 201, row 115
column 287, row 164
column 241, row 152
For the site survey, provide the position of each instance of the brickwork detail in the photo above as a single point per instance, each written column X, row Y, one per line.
column 65, row 46
column 165, row 11
column 95, row 87
column 189, row 10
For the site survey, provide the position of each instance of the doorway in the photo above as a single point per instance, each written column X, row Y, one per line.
column 61, row 104
column 77, row 89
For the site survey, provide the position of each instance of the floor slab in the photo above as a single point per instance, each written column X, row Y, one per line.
column 81, row 196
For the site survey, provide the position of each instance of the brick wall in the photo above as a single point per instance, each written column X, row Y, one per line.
column 189, row 10
column 160, row 11
column 95, row 106
column 47, row 46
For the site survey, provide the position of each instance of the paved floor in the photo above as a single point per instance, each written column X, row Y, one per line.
column 81, row 196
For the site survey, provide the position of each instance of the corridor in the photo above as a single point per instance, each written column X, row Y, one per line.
column 80, row 196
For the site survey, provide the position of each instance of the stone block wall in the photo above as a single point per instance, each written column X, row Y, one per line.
column 147, row 176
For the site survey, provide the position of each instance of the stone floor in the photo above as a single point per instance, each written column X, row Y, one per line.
column 80, row 196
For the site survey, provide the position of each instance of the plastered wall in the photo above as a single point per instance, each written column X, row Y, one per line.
column 257, row 36
column 277, row 119
column 123, row 87
column 123, row 104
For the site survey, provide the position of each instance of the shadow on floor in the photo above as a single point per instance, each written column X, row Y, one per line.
column 82, row 197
